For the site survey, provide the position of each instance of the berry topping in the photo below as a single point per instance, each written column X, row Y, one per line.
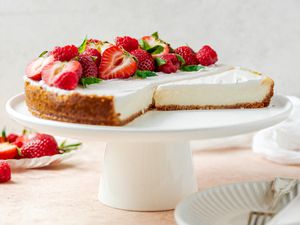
column 128, row 43
column 145, row 60
column 8, row 151
column 187, row 54
column 154, row 45
column 65, row 53
column 64, row 75
column 34, row 69
column 168, row 63
column 94, row 53
column 5, row 172
column 40, row 145
column 207, row 56
column 89, row 67
column 116, row 63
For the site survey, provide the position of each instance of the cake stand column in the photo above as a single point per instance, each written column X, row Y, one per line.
column 146, row 176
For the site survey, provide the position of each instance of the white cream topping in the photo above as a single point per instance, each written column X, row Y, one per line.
column 226, row 88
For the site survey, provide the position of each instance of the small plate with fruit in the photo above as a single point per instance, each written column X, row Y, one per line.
column 35, row 150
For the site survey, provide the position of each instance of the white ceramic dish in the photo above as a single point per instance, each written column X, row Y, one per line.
column 44, row 161
column 223, row 205
column 148, row 163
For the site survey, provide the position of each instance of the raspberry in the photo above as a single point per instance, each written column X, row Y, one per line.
column 65, row 53
column 145, row 60
column 89, row 67
column 128, row 43
column 207, row 56
column 5, row 172
column 187, row 54
column 94, row 53
column 12, row 138
column 172, row 64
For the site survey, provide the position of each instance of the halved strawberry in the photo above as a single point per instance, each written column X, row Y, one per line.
column 64, row 75
column 116, row 63
column 34, row 69
column 149, row 42
column 8, row 151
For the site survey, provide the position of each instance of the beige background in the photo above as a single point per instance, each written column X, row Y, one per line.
column 259, row 34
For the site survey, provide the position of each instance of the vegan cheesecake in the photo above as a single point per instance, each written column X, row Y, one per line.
column 105, row 83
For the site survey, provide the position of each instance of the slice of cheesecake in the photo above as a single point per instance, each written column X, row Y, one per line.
column 236, row 88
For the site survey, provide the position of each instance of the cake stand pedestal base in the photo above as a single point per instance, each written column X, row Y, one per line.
column 146, row 176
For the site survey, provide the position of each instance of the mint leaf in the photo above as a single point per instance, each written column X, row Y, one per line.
column 144, row 45
column 160, row 61
column 180, row 59
column 82, row 47
column 156, row 49
column 191, row 68
column 145, row 73
column 155, row 35
column 43, row 53
column 84, row 81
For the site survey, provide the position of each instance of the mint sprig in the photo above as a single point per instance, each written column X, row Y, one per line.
column 145, row 73
column 155, row 49
column 82, row 47
column 43, row 53
column 191, row 68
column 155, row 35
column 144, row 45
column 64, row 147
column 85, row 81
column 160, row 61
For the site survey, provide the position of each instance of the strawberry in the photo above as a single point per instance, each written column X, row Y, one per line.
column 207, row 56
column 169, row 63
column 12, row 137
column 89, row 67
column 65, row 53
column 128, row 43
column 40, row 145
column 94, row 53
column 5, row 172
column 187, row 54
column 34, row 69
column 116, row 63
column 8, row 151
column 145, row 60
column 148, row 42
column 64, row 75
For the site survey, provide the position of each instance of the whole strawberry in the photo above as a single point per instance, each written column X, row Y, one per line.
column 94, row 53
column 65, row 53
column 5, row 172
column 207, row 56
column 145, row 60
column 128, row 43
column 40, row 145
column 89, row 67
column 168, row 63
column 187, row 54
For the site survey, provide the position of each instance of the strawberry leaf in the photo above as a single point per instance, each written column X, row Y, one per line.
column 3, row 134
column 145, row 73
column 144, row 45
column 160, row 61
column 82, row 47
column 191, row 68
column 43, row 53
column 180, row 59
column 155, row 35
column 156, row 49
column 84, row 81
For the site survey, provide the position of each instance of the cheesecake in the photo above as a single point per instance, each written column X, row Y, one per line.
column 111, row 84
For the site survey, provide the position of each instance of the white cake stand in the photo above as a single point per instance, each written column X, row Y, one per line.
column 148, row 163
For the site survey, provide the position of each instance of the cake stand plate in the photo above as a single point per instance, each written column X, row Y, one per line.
column 148, row 163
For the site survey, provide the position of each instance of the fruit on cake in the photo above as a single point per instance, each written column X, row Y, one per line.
column 106, row 83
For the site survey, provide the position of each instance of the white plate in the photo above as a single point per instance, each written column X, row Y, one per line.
column 223, row 205
column 30, row 163
column 171, row 125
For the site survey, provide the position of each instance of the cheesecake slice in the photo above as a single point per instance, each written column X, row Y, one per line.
column 235, row 88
